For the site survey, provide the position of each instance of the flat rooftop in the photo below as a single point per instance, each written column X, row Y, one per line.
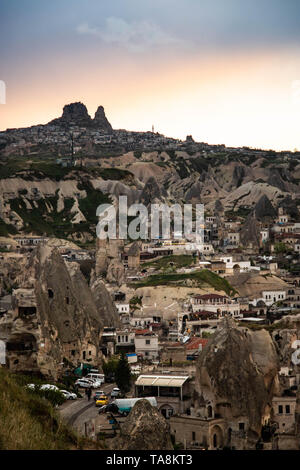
column 161, row 380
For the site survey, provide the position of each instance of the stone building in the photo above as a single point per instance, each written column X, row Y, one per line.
column 283, row 413
column 134, row 256
column 198, row 433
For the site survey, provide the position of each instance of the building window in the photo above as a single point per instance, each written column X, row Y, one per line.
column 193, row 436
column 280, row 409
column 147, row 341
column 241, row 426
column 287, row 409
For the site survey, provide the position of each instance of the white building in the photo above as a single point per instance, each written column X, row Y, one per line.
column 219, row 304
column 122, row 308
column 205, row 248
column 272, row 296
column 124, row 337
column 141, row 321
column 264, row 234
column 245, row 266
column 146, row 345
column 269, row 297
column 233, row 239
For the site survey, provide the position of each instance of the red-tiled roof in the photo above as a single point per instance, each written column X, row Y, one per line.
column 203, row 313
column 144, row 332
column 194, row 343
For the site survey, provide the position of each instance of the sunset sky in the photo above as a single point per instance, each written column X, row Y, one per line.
column 225, row 71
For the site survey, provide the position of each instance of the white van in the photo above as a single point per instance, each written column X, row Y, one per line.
column 99, row 377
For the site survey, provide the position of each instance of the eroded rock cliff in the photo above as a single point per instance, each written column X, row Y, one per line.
column 237, row 377
column 55, row 316
column 144, row 429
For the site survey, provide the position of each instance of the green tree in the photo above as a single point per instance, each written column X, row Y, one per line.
column 123, row 374
column 110, row 366
column 280, row 248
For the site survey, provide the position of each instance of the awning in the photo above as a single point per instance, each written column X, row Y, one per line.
column 161, row 380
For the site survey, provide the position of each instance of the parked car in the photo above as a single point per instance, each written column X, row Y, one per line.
column 95, row 383
column 69, row 395
column 98, row 394
column 84, row 383
column 30, row 386
column 98, row 377
column 49, row 387
column 102, row 400
column 116, row 392
column 109, row 408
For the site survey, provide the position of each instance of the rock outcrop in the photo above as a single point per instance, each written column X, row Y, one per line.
column 55, row 317
column 115, row 272
column 264, row 210
column 101, row 121
column 219, row 209
column 237, row 377
column 74, row 114
column 144, row 429
column 105, row 306
column 152, row 192
column 250, row 235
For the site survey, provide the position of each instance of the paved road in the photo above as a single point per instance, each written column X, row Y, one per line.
column 76, row 413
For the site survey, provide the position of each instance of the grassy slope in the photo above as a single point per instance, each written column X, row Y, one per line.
column 29, row 422
column 200, row 278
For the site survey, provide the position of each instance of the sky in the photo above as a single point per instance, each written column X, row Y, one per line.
column 224, row 71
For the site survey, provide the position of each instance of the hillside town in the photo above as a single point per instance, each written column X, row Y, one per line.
column 150, row 231
column 173, row 311
column 76, row 134
column 207, row 328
